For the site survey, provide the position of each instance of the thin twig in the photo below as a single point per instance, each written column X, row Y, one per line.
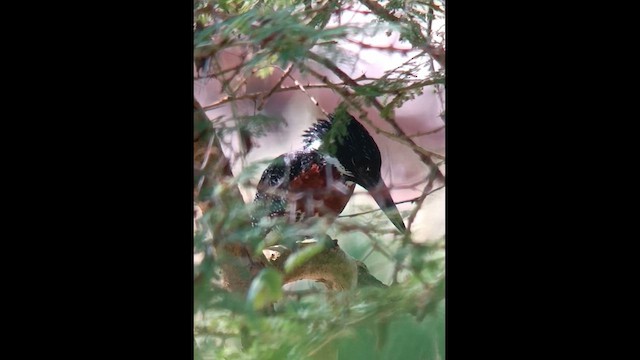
column 313, row 99
column 385, row 76
column 207, row 153
column 367, row 254
column 397, row 203
column 380, row 48
column 429, row 25
column 427, row 132
column 275, row 87
column 204, row 164
column 254, row 96
column 357, row 11
column 420, row 200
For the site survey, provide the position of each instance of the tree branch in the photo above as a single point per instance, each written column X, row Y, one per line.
column 419, row 134
column 275, row 87
column 397, row 203
column 380, row 48
column 332, row 267
column 436, row 53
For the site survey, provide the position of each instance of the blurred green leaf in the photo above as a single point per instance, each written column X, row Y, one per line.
column 265, row 72
column 302, row 256
column 265, row 289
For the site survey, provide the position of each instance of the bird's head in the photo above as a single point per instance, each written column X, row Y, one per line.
column 347, row 145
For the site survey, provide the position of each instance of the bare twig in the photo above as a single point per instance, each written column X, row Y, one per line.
column 313, row 99
column 204, row 164
column 333, row 67
column 379, row 10
column 419, row 201
column 275, row 87
column 397, row 203
column 365, row 256
column 380, row 48
column 357, row 10
column 217, row 74
column 429, row 25
column 427, row 132
column 415, row 84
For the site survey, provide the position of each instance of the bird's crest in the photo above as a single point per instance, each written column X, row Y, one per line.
column 324, row 135
column 316, row 132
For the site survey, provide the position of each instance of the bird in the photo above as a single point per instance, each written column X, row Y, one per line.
column 318, row 180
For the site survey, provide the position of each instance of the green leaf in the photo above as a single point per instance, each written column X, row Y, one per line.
column 265, row 289
column 338, row 130
column 371, row 90
column 265, row 72
column 302, row 256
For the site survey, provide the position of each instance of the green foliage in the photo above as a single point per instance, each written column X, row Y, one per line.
column 404, row 321
column 302, row 256
column 265, row 289
column 397, row 312
column 373, row 323
column 338, row 131
column 282, row 36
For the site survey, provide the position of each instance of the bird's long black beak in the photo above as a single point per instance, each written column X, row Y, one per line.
column 381, row 195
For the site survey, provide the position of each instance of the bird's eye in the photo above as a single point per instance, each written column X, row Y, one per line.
column 367, row 169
